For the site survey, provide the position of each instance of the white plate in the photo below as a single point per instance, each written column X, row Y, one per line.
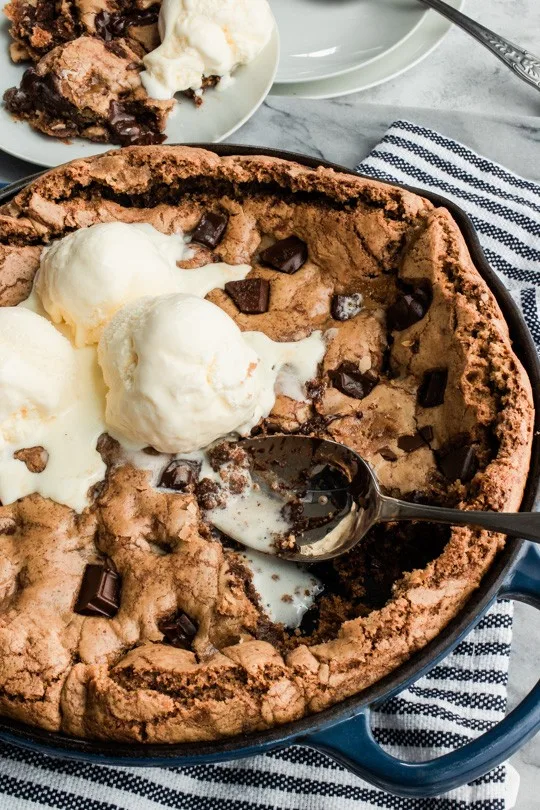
column 409, row 53
column 222, row 113
column 324, row 38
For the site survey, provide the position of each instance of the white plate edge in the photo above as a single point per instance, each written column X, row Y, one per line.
column 439, row 27
column 364, row 64
column 101, row 149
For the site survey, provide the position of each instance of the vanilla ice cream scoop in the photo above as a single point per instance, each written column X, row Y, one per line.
column 91, row 273
column 180, row 373
column 204, row 38
column 37, row 374
column 88, row 275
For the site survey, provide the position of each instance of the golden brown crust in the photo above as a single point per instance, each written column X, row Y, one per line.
column 115, row 677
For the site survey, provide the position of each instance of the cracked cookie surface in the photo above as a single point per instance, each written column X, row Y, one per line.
column 119, row 677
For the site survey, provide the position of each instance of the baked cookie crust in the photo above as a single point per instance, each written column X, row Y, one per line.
column 118, row 678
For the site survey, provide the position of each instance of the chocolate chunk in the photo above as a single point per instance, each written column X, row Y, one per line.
column 410, row 307
column 117, row 49
column 103, row 22
column 133, row 124
column 143, row 16
column 178, row 630
column 181, row 474
column 288, row 255
column 426, row 433
column 459, row 463
column 42, row 93
column 432, row 388
column 211, row 229
column 410, row 443
column 108, row 26
column 354, row 383
column 251, row 295
column 345, row 307
column 99, row 594
column 387, row 453
column 42, row 12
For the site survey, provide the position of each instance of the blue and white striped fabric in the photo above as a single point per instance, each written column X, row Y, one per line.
column 459, row 699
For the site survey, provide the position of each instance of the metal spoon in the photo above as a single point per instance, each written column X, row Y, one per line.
column 524, row 64
column 340, row 496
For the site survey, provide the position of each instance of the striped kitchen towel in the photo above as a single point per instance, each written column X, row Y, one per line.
column 460, row 698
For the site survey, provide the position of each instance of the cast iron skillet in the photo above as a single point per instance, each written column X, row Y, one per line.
column 343, row 731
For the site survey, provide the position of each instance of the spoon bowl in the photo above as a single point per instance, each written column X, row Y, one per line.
column 337, row 491
column 336, row 499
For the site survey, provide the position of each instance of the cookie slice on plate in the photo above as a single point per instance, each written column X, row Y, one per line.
column 39, row 26
column 91, row 88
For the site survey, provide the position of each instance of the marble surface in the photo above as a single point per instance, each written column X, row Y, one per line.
column 464, row 92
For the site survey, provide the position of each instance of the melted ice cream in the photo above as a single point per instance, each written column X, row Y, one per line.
column 254, row 518
column 287, row 590
column 69, row 437
column 204, row 38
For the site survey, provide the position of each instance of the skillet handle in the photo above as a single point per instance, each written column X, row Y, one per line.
column 352, row 744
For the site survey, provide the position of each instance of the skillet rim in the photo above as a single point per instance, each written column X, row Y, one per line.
column 169, row 754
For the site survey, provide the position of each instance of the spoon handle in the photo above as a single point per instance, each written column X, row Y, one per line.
column 524, row 64
column 517, row 524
